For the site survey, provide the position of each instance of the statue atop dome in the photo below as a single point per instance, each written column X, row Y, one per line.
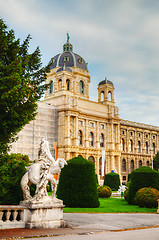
column 68, row 36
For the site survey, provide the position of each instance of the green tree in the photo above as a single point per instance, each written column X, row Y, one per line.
column 156, row 162
column 22, row 83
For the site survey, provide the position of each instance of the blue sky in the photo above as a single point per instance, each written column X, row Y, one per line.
column 119, row 39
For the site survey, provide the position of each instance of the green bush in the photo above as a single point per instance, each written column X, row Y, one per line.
column 104, row 191
column 12, row 168
column 147, row 197
column 112, row 180
column 77, row 184
column 142, row 177
column 97, row 179
column 126, row 192
column 129, row 177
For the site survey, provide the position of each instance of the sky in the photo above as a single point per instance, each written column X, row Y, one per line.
column 119, row 39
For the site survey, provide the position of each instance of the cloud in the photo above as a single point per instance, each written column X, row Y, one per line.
column 118, row 39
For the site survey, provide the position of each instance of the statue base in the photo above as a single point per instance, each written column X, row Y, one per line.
column 44, row 213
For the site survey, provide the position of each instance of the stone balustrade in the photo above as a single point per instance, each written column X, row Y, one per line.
column 12, row 216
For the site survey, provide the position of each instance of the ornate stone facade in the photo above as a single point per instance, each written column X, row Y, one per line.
column 85, row 127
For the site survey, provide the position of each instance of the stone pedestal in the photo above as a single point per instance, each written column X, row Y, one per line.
column 158, row 206
column 47, row 213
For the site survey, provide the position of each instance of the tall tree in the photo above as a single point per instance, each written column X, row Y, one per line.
column 22, row 83
column 156, row 162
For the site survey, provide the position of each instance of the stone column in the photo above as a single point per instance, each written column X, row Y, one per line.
column 67, row 129
column 106, row 94
column 76, row 132
column 97, row 136
column 108, row 164
column 67, row 156
column 135, row 143
column 112, row 95
column 118, row 165
column 86, row 134
column 111, row 137
column 112, row 162
column 118, row 137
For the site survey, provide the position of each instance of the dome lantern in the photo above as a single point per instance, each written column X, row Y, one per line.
column 67, row 47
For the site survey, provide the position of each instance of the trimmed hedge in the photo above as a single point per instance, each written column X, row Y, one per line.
column 140, row 178
column 126, row 192
column 112, row 180
column 12, row 168
column 77, row 184
column 104, row 191
column 97, row 180
column 147, row 197
column 129, row 177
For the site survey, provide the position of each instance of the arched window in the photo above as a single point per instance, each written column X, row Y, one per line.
column 122, row 145
column 51, row 87
column 130, row 145
column 102, row 140
column 146, row 147
column 91, row 139
column 109, row 96
column 80, row 138
column 60, row 84
column 91, row 158
column 102, row 96
column 132, row 165
column 140, row 163
column 68, row 84
column 139, row 146
column 153, row 148
column 147, row 163
column 123, row 165
column 81, row 87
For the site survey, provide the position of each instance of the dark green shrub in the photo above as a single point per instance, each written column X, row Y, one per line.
column 77, row 184
column 129, row 177
column 12, row 168
column 97, row 179
column 126, row 192
column 147, row 197
column 142, row 177
column 112, row 180
column 104, row 191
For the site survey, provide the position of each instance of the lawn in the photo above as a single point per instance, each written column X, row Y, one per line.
column 112, row 205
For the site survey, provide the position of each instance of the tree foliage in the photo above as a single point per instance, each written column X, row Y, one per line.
column 12, row 168
column 156, row 162
column 22, row 83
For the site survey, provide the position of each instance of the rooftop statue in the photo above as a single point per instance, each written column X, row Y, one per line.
column 40, row 173
column 68, row 37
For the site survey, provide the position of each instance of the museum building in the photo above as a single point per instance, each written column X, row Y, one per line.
column 86, row 128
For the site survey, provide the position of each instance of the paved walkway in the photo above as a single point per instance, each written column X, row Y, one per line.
column 85, row 224
column 142, row 234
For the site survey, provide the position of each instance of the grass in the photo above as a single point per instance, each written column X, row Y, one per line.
column 112, row 205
